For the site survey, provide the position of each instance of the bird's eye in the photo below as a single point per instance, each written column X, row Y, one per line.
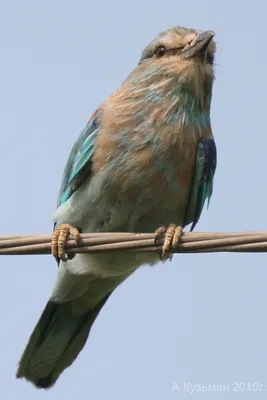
column 160, row 51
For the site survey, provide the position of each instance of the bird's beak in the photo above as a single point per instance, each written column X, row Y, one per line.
column 199, row 46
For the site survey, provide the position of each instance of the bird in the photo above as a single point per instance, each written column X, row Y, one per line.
column 145, row 162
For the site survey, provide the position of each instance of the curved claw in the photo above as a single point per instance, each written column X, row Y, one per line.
column 172, row 237
column 59, row 239
column 160, row 231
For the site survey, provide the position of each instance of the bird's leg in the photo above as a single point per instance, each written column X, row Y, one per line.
column 59, row 239
column 172, row 237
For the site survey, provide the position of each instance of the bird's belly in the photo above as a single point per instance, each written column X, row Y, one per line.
column 131, row 197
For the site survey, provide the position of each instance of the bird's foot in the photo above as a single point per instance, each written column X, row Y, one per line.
column 172, row 237
column 59, row 240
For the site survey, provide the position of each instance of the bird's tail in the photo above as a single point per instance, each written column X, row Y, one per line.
column 56, row 341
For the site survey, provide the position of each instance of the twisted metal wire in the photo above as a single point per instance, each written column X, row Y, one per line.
column 194, row 242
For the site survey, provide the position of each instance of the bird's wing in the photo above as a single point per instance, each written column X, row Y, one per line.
column 202, row 184
column 80, row 159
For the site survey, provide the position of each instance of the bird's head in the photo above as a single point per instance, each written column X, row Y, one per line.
column 179, row 45
column 179, row 49
column 172, row 81
column 180, row 55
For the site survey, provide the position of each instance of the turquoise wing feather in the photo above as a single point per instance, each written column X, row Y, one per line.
column 79, row 162
column 202, row 186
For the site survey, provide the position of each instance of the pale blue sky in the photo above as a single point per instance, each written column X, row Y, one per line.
column 200, row 318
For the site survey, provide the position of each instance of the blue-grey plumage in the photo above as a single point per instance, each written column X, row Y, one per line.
column 146, row 158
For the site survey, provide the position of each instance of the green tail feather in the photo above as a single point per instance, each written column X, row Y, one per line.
column 56, row 341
